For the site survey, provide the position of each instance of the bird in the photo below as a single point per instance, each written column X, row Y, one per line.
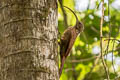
column 67, row 40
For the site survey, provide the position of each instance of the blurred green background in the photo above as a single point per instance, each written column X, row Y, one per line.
column 79, row 65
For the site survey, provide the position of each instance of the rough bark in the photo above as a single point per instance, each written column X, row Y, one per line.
column 28, row 40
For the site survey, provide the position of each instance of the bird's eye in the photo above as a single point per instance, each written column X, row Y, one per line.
column 80, row 23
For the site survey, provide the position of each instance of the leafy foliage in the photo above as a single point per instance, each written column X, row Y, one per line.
column 80, row 64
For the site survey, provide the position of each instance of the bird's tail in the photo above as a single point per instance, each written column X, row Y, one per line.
column 61, row 66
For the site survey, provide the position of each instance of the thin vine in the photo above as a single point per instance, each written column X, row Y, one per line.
column 101, row 35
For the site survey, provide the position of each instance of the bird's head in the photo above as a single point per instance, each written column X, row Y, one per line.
column 80, row 27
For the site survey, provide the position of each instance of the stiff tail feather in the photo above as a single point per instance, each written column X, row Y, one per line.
column 61, row 66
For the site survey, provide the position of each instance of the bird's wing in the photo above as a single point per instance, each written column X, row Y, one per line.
column 65, row 40
column 71, row 42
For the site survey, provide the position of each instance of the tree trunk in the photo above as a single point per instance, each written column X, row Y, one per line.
column 28, row 40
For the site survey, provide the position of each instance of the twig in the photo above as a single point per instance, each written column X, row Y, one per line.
column 98, row 5
column 101, row 35
column 106, row 51
column 112, row 39
column 88, row 5
column 64, row 13
column 112, row 57
column 83, row 60
column 114, row 50
column 95, row 63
